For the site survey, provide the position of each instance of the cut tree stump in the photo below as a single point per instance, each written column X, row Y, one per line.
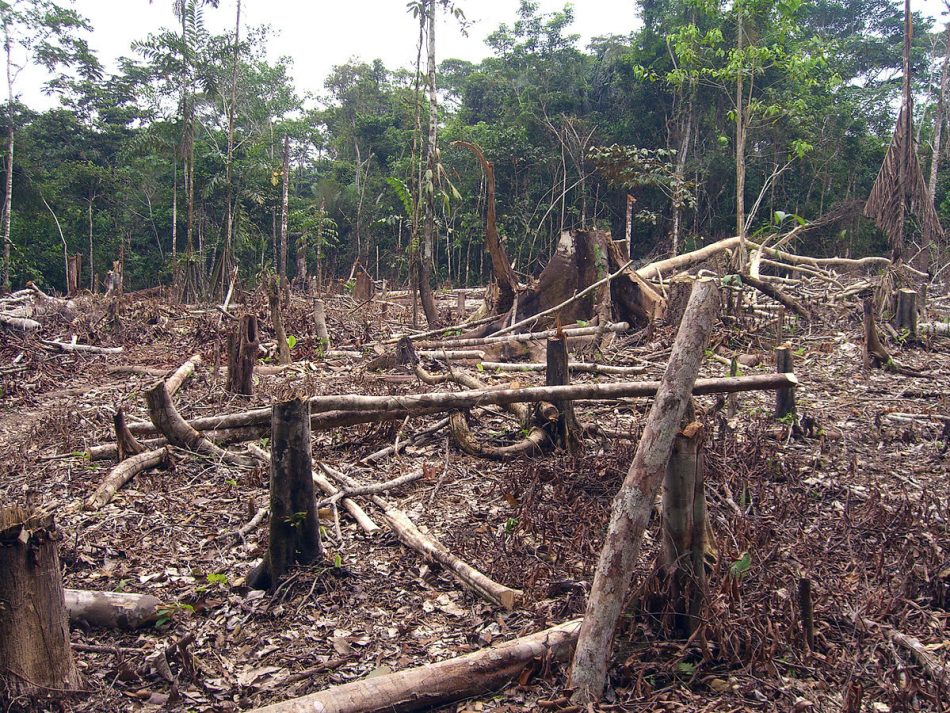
column 277, row 320
column 320, row 323
column 784, row 398
column 126, row 445
column 243, row 346
column 633, row 503
column 906, row 315
column 35, row 659
column 428, row 687
column 684, row 529
column 558, row 374
column 294, row 526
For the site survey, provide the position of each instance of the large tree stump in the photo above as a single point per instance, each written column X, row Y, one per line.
column 684, row 529
column 35, row 658
column 73, row 272
column 558, row 374
column 294, row 527
column 243, row 345
column 906, row 315
column 320, row 323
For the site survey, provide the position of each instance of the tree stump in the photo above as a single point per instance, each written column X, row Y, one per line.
column 784, row 398
column 365, row 288
column 273, row 297
column 460, row 307
column 294, row 527
column 320, row 323
column 35, row 658
column 684, row 529
column 73, row 272
column 243, row 345
column 906, row 314
column 558, row 374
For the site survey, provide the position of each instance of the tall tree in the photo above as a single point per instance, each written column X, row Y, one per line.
column 45, row 33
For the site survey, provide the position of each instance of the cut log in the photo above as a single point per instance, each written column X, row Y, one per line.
column 182, row 374
column 123, row 473
column 87, row 348
column 35, row 659
column 411, row 536
column 776, row 294
column 428, row 687
column 21, row 323
column 243, row 347
column 176, row 430
column 633, row 504
column 111, row 610
column 578, row 367
column 294, row 525
column 934, row 328
column 526, row 336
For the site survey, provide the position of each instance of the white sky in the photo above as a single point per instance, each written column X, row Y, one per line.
column 318, row 34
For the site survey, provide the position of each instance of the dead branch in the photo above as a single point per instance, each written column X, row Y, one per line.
column 123, row 473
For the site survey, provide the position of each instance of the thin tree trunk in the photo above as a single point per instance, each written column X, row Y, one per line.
column 175, row 215
column 940, row 117
column 284, row 204
column 740, row 156
column 227, row 258
column 432, row 181
column 8, row 190
column 633, row 504
column 92, row 271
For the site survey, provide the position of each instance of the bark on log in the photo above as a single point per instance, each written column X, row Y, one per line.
column 35, row 658
column 166, row 418
column 634, row 502
column 412, row 537
column 428, row 687
column 294, row 525
column 934, row 328
column 21, row 323
column 243, row 347
column 182, row 374
column 123, row 473
column 525, row 336
column 111, row 610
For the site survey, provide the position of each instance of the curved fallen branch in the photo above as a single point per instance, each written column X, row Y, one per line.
column 531, row 445
column 123, row 473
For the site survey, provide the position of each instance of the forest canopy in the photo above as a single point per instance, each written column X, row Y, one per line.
column 177, row 158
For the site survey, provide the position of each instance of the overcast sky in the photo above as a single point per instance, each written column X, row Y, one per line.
column 318, row 34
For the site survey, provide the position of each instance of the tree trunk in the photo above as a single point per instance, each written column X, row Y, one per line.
column 431, row 686
column 940, row 116
column 294, row 526
column 92, row 271
column 243, row 345
column 35, row 659
column 74, row 270
column 111, row 610
column 8, row 187
column 634, row 502
column 784, row 398
column 320, row 323
column 740, row 155
column 227, row 259
column 906, row 316
column 284, row 206
column 432, row 180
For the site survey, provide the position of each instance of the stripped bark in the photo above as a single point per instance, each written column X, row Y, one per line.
column 634, row 502
column 428, row 687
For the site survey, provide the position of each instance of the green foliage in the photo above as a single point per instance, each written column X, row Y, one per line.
column 167, row 612
column 740, row 568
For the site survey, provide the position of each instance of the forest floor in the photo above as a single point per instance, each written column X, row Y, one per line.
column 858, row 504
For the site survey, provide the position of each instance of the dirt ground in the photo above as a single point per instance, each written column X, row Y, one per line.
column 854, row 498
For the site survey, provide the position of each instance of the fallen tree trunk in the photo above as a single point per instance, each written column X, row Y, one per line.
column 527, row 336
column 431, row 548
column 111, row 610
column 123, row 473
column 578, row 367
column 182, row 374
column 428, row 687
column 776, row 294
column 634, row 501
column 22, row 323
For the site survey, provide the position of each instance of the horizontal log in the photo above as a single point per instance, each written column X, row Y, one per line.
column 578, row 367
column 111, row 610
column 530, row 336
column 433, row 685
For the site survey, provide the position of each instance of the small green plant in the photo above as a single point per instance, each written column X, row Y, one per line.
column 800, row 352
column 350, row 286
column 582, row 323
column 686, row 667
column 788, row 419
column 264, row 442
column 480, row 367
column 510, row 524
column 291, row 341
column 231, row 481
column 297, row 519
column 168, row 612
column 741, row 566
column 337, row 560
column 217, row 578
column 120, row 587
